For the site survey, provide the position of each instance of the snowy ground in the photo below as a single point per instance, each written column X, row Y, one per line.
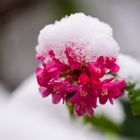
column 27, row 116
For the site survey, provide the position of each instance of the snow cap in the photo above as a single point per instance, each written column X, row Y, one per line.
column 87, row 35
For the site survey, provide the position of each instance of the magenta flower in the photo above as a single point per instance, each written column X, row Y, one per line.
column 84, row 100
column 111, row 90
column 74, row 71
column 80, row 83
column 42, row 77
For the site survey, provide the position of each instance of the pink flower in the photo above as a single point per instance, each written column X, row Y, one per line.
column 50, row 71
column 80, row 83
column 84, row 100
column 58, row 90
column 42, row 78
column 77, row 54
column 84, row 79
column 111, row 65
column 111, row 90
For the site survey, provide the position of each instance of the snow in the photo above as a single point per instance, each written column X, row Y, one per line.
column 110, row 111
column 84, row 32
column 28, row 116
column 129, row 69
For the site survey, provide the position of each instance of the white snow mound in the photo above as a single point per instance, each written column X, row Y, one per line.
column 129, row 69
column 80, row 31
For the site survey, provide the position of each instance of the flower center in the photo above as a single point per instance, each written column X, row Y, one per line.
column 83, row 93
column 56, row 89
column 98, row 70
column 104, row 92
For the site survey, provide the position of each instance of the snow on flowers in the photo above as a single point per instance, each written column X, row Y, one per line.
column 79, row 63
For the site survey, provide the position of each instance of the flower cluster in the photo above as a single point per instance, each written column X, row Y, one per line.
column 80, row 83
column 78, row 56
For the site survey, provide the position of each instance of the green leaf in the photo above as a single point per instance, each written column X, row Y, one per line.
column 134, row 96
column 130, row 86
column 103, row 123
column 97, row 121
column 131, row 125
column 71, row 110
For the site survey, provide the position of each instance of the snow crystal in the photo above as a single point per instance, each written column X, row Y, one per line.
column 129, row 69
column 92, row 37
